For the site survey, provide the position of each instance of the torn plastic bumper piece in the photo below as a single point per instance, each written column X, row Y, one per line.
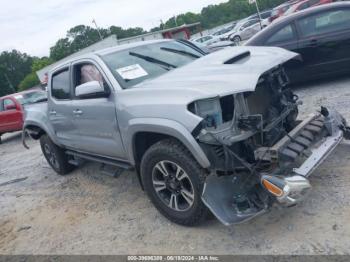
column 218, row 196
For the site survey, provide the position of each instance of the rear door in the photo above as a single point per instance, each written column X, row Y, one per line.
column 60, row 107
column 11, row 118
column 325, row 42
column 95, row 119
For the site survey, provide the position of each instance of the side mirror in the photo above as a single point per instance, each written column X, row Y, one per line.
column 92, row 89
column 10, row 107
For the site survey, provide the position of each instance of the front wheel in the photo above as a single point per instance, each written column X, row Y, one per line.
column 236, row 40
column 174, row 182
column 55, row 156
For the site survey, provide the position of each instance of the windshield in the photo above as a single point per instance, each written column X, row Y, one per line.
column 135, row 65
column 31, row 97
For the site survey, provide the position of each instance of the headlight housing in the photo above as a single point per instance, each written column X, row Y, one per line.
column 209, row 110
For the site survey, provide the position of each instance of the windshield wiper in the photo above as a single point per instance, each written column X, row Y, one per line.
column 181, row 52
column 153, row 60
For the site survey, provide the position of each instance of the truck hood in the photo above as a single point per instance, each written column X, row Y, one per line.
column 211, row 75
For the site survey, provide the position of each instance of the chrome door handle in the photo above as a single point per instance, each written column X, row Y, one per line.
column 77, row 112
column 53, row 112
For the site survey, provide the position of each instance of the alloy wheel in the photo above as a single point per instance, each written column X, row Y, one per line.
column 173, row 185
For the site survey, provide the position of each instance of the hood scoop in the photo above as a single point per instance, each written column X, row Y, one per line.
column 237, row 58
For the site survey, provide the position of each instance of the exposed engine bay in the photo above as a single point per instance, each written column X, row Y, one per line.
column 246, row 121
column 257, row 148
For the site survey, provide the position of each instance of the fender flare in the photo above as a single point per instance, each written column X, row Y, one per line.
column 166, row 127
column 46, row 129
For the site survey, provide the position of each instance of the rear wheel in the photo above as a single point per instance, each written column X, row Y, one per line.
column 55, row 156
column 174, row 182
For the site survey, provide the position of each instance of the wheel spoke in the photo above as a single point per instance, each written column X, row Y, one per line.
column 159, row 185
column 162, row 168
column 173, row 202
column 188, row 196
column 180, row 174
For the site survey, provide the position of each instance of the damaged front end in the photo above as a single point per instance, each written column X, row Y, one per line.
column 259, row 153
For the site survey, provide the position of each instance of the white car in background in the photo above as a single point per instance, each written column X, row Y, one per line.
column 245, row 30
column 206, row 40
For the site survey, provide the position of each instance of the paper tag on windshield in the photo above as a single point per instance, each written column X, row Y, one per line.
column 131, row 72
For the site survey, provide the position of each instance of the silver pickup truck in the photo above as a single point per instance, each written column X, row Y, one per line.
column 204, row 132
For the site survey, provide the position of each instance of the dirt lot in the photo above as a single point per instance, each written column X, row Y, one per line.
column 90, row 213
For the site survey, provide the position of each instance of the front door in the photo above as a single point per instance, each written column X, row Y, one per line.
column 286, row 37
column 95, row 119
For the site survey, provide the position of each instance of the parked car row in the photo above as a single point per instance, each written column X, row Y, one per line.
column 321, row 35
column 246, row 28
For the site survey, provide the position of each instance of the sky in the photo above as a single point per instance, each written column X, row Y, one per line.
column 33, row 26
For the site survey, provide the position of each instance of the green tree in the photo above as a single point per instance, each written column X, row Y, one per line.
column 14, row 66
column 29, row 81
column 32, row 79
column 61, row 49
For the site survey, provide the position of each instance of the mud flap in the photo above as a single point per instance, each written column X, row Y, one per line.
column 219, row 196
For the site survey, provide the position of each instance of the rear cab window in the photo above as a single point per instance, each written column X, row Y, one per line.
column 8, row 102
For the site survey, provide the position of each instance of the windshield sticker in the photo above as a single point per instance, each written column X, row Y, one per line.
column 131, row 72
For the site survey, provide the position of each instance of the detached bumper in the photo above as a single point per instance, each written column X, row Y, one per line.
column 295, row 156
column 309, row 144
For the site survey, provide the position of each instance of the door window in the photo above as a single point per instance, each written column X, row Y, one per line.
column 87, row 72
column 8, row 102
column 313, row 2
column 283, row 35
column 60, row 85
column 1, row 105
column 303, row 6
column 326, row 22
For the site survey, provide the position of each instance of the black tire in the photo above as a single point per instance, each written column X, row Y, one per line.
column 55, row 156
column 236, row 39
column 173, row 152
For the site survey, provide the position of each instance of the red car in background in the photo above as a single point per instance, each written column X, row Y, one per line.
column 305, row 4
column 11, row 109
column 281, row 9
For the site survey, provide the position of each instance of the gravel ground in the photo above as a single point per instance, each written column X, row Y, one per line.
column 90, row 213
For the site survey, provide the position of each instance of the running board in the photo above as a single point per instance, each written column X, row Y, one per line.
column 99, row 159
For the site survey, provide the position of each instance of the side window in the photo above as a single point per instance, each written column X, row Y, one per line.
column 313, row 2
column 326, row 22
column 1, row 105
column 8, row 103
column 244, row 26
column 87, row 72
column 303, row 6
column 284, row 34
column 61, row 85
